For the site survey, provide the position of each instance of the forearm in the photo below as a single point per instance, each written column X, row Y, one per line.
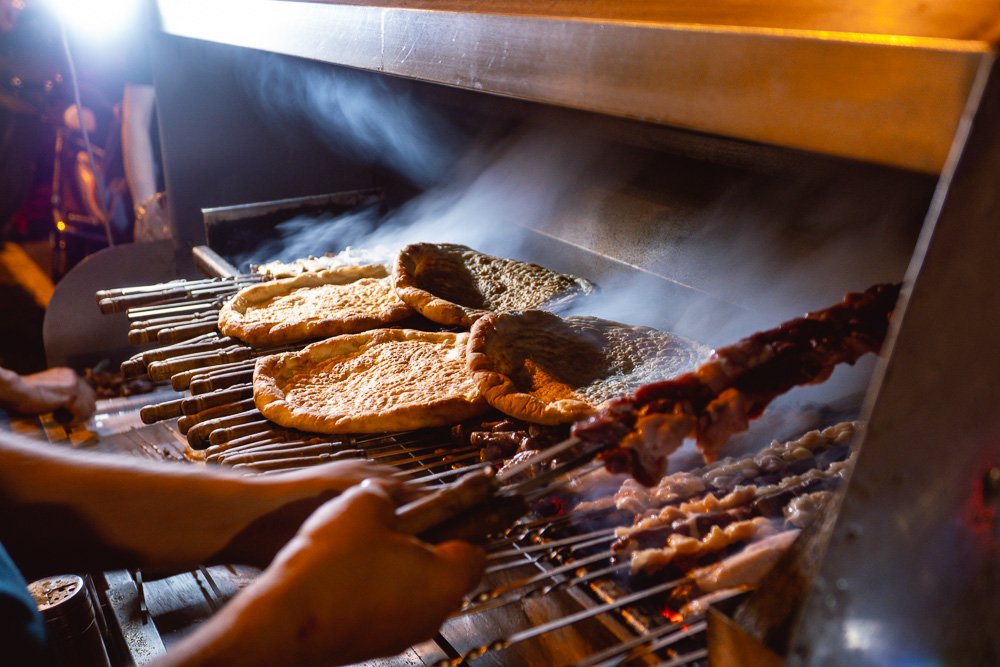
column 225, row 638
column 78, row 513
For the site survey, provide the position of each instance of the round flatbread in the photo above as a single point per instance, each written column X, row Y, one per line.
column 373, row 382
column 456, row 285
column 542, row 368
column 321, row 304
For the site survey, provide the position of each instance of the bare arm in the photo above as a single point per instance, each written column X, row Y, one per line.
column 347, row 588
column 62, row 511
column 46, row 391
column 137, row 147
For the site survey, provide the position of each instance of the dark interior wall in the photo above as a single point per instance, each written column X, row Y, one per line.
column 219, row 150
column 722, row 216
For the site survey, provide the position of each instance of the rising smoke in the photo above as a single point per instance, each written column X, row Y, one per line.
column 758, row 249
column 356, row 114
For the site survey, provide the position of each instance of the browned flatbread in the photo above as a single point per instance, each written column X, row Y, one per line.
column 320, row 304
column 542, row 368
column 373, row 382
column 456, row 285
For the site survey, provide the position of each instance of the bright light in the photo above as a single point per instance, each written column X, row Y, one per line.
column 96, row 18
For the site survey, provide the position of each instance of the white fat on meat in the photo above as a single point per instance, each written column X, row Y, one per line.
column 729, row 473
column 745, row 569
column 801, row 511
column 651, row 560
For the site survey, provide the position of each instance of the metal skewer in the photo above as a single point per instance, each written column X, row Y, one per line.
column 531, row 633
column 519, row 589
column 623, row 652
column 587, row 539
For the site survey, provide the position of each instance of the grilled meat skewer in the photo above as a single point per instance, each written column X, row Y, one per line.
column 736, row 385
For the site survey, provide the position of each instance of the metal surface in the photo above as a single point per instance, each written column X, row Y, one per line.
column 912, row 572
column 144, row 642
column 75, row 332
column 235, row 230
column 845, row 88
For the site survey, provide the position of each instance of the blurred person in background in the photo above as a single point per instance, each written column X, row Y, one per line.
column 30, row 100
column 140, row 137
column 29, row 67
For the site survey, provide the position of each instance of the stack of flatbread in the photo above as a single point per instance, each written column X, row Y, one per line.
column 367, row 378
column 313, row 305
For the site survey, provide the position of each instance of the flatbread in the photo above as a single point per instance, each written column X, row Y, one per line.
column 373, row 382
column 313, row 305
column 456, row 285
column 539, row 367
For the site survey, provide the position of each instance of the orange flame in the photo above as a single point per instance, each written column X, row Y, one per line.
column 671, row 615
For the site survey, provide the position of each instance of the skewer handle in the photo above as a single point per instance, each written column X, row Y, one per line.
column 181, row 381
column 185, row 331
column 150, row 414
column 203, row 385
column 118, row 304
column 296, row 462
column 182, row 349
column 187, row 422
column 220, row 435
column 133, row 368
column 163, row 370
column 196, row 404
column 441, row 506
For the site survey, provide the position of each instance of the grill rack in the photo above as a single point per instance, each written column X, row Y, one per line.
column 222, row 427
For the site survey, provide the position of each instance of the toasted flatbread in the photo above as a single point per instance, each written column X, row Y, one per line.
column 373, row 382
column 539, row 367
column 456, row 285
column 313, row 305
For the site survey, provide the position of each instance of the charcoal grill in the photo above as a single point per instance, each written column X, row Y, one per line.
column 798, row 111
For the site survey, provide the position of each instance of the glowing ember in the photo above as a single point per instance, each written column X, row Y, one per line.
column 672, row 616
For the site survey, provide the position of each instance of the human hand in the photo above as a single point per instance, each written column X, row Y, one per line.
column 348, row 587
column 382, row 590
column 274, row 506
column 50, row 390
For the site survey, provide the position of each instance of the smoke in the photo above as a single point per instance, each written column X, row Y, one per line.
column 356, row 114
column 713, row 255
column 495, row 194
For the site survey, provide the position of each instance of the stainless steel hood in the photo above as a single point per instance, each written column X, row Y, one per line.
column 875, row 82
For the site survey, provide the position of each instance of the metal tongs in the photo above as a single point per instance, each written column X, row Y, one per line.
column 483, row 502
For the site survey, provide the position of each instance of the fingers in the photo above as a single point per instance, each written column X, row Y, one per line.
column 361, row 507
column 82, row 403
column 466, row 562
column 55, row 388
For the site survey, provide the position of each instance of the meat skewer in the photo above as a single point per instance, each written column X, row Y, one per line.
column 736, row 385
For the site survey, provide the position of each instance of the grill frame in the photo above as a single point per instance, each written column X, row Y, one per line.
column 938, row 282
